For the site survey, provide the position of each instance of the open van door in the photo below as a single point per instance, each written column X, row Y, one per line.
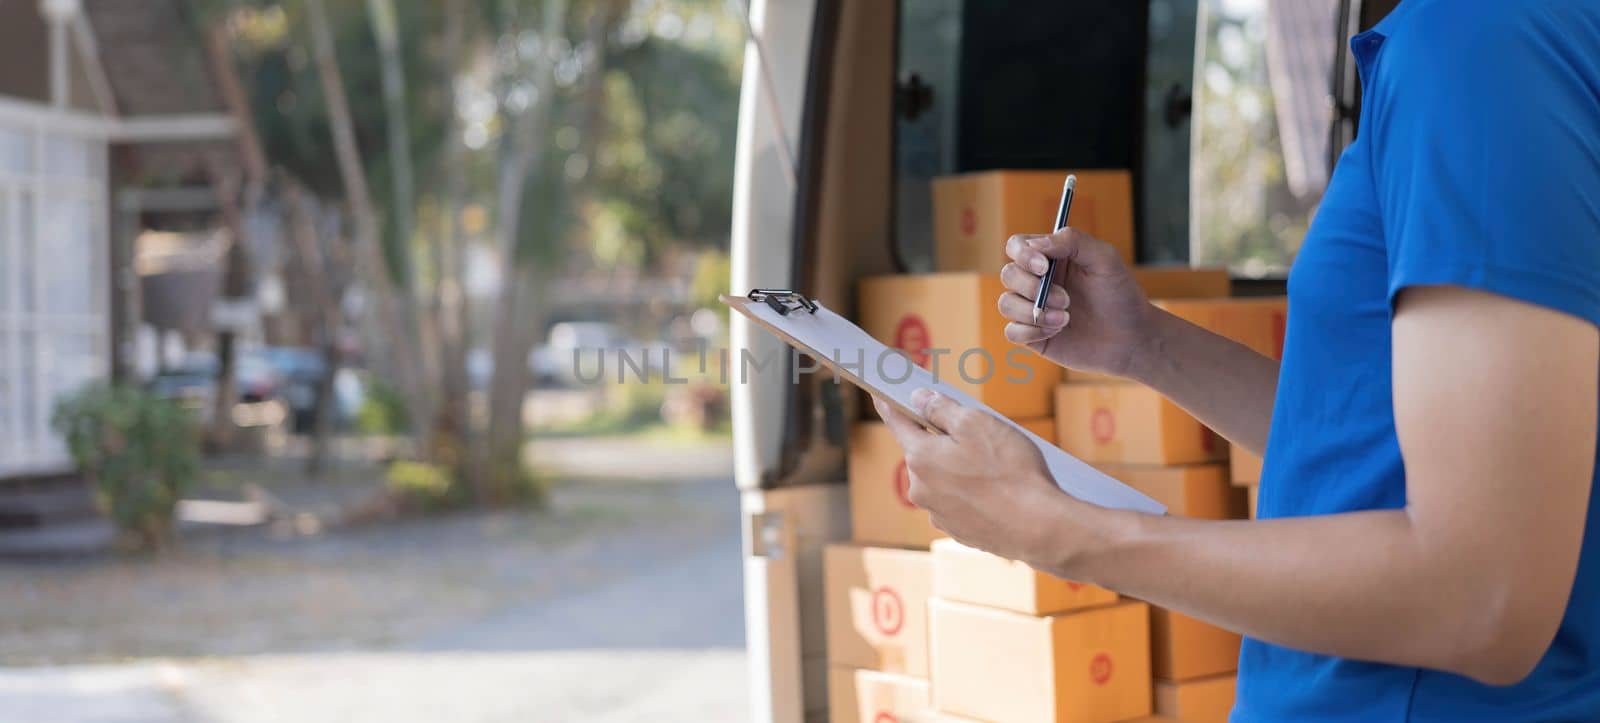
column 818, row 80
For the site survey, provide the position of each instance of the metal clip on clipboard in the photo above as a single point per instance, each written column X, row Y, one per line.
column 783, row 301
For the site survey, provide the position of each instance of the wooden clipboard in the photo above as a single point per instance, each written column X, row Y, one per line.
column 823, row 334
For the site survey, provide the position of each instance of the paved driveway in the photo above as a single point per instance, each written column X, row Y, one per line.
column 634, row 614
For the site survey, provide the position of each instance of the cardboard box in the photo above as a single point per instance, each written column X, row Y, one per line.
column 1207, row 700
column 1258, row 323
column 949, row 324
column 1183, row 648
column 1045, row 427
column 1194, row 490
column 1244, row 466
column 1182, row 282
column 1252, row 492
column 880, row 511
column 1130, row 424
column 876, row 608
column 974, row 213
column 1087, row 665
column 969, row 575
column 870, row 696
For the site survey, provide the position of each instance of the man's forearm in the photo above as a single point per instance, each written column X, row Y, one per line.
column 1224, row 384
column 1361, row 585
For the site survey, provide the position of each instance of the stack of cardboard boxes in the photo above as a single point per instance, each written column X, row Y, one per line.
column 923, row 628
column 1147, row 441
column 882, row 626
column 1244, row 466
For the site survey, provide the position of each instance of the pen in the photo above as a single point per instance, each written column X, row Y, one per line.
column 1061, row 223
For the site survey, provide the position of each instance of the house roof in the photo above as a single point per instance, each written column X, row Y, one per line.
column 154, row 57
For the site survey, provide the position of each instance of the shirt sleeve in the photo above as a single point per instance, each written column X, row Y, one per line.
column 1486, row 152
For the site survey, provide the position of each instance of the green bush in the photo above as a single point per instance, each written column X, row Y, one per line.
column 383, row 412
column 427, row 487
column 141, row 453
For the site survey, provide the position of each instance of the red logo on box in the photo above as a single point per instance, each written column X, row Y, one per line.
column 1100, row 669
column 902, row 485
column 969, row 221
column 1103, row 425
column 885, row 717
column 888, row 613
column 911, row 336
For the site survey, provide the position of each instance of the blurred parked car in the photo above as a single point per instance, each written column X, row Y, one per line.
column 302, row 370
column 193, row 382
column 578, row 352
column 572, row 355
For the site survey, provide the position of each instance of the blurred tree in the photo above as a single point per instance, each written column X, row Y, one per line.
column 616, row 125
column 594, row 133
column 1246, row 217
column 548, row 80
column 449, row 258
column 373, row 54
column 666, row 174
column 395, row 303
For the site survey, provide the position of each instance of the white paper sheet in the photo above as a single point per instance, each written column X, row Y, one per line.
column 827, row 334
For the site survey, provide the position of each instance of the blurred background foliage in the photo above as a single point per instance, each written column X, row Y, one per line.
column 527, row 145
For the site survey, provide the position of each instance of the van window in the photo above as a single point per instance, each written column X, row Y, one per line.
column 1009, row 85
column 1263, row 119
column 927, row 80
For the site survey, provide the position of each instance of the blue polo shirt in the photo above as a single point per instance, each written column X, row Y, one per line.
column 1477, row 164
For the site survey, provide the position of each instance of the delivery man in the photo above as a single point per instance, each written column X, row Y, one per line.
column 1430, row 435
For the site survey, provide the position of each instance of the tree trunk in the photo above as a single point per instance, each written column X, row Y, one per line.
column 326, row 320
column 219, row 60
column 381, row 14
column 499, row 455
column 397, row 309
column 452, row 424
column 521, row 308
column 235, row 288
